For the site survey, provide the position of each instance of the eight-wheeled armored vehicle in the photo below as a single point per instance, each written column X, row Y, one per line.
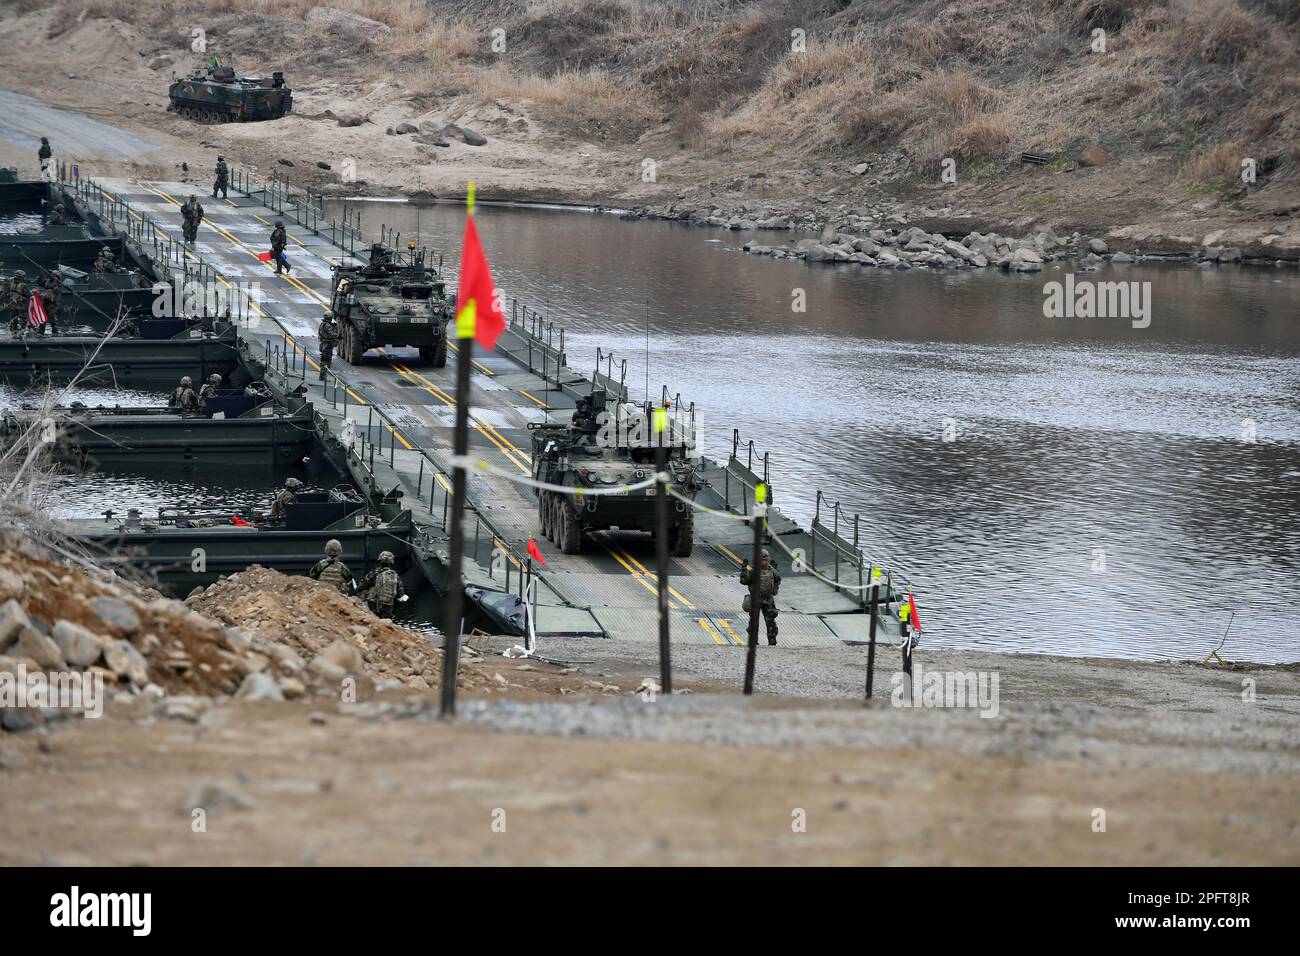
column 220, row 96
column 392, row 300
column 608, row 445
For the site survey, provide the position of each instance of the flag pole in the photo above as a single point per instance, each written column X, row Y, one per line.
column 452, row 610
column 661, row 547
column 757, row 520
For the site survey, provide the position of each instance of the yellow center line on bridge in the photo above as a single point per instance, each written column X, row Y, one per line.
column 647, row 572
column 508, row 450
column 727, row 551
column 708, row 629
column 528, row 394
column 727, row 627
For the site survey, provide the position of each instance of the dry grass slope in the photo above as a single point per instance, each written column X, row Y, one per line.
column 975, row 80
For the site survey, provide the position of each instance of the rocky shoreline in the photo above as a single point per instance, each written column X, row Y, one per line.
column 893, row 241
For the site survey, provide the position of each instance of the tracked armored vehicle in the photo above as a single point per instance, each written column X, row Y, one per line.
column 606, row 446
column 220, row 96
column 391, row 301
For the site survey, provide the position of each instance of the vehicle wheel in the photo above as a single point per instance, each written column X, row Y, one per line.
column 572, row 530
column 354, row 349
column 187, row 112
column 553, row 517
column 681, row 539
column 543, row 512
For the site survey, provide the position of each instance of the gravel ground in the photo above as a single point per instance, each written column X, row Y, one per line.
column 1125, row 713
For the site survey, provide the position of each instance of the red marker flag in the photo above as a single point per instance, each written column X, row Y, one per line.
column 36, row 316
column 535, row 552
column 478, row 310
column 239, row 522
column 911, row 616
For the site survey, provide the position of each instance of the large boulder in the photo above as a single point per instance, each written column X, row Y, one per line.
column 126, row 662
column 79, row 647
column 12, row 620
column 1026, row 260
column 40, row 648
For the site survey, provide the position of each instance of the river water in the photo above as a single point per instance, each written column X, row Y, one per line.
column 1074, row 486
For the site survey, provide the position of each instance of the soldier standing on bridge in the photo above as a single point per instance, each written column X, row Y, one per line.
column 331, row 569
column 382, row 587
column 279, row 239
column 328, row 333
column 769, row 582
column 45, row 154
column 284, row 497
column 223, row 177
column 192, row 212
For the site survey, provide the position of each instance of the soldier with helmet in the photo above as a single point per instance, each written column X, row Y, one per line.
column 223, row 178
column 328, row 333
column 52, row 299
column 285, row 497
column 279, row 239
column 331, row 569
column 769, row 582
column 18, row 296
column 382, row 587
column 209, row 390
column 183, row 397
column 56, row 215
column 192, row 214
column 106, row 262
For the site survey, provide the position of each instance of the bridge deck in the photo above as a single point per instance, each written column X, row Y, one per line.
column 611, row 587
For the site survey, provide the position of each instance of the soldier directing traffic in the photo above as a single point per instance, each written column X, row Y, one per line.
column 328, row 333
column 769, row 582
column 331, row 569
column 382, row 588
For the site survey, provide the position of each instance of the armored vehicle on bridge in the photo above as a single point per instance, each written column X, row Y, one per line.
column 219, row 96
column 392, row 300
column 607, row 446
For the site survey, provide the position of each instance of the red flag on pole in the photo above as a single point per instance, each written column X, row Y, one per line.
column 535, row 552
column 478, row 310
column 911, row 616
column 36, row 316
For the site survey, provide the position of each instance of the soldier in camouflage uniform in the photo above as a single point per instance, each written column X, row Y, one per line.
column 223, row 178
column 56, row 216
column 192, row 213
column 51, row 299
column 183, row 397
column 106, row 262
column 769, row 582
column 382, row 587
column 18, row 296
column 284, row 497
column 279, row 239
column 328, row 333
column 209, row 390
column 331, row 569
